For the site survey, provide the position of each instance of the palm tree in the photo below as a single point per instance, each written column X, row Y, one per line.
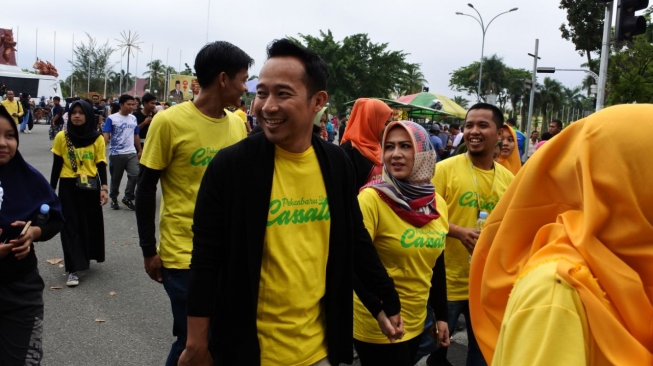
column 156, row 73
column 494, row 75
column 411, row 81
column 551, row 94
column 461, row 101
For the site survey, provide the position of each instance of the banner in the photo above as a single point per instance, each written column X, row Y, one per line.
column 182, row 88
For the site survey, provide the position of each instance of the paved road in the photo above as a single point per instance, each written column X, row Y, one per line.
column 136, row 326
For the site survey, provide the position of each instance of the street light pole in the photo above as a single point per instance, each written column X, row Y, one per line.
column 532, row 98
column 484, row 29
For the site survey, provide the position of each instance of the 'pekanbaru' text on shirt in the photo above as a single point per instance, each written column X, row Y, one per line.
column 181, row 141
column 290, row 321
column 408, row 253
column 454, row 181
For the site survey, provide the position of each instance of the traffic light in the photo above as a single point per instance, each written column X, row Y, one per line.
column 629, row 25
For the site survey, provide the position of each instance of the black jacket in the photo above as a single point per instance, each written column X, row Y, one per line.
column 229, row 228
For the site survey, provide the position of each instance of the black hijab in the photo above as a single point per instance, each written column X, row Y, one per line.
column 85, row 134
column 23, row 191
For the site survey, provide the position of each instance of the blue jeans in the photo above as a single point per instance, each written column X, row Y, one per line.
column 474, row 355
column 175, row 282
column 23, row 124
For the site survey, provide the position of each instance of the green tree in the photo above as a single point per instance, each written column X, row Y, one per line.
column 584, row 25
column 630, row 73
column 187, row 70
column 412, row 82
column 551, row 97
column 156, row 73
column 91, row 61
column 358, row 67
column 461, row 101
column 494, row 79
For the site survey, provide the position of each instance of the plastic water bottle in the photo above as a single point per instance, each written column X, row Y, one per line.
column 482, row 217
column 44, row 214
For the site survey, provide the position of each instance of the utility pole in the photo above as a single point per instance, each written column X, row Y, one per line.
column 532, row 98
column 605, row 54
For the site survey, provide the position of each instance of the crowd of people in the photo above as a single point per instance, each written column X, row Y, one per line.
column 279, row 246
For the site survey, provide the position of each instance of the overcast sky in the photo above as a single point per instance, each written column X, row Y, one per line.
column 429, row 30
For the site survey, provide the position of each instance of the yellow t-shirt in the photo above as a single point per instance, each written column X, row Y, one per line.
column 87, row 157
column 290, row 319
column 181, row 142
column 454, row 181
column 14, row 107
column 408, row 253
column 241, row 114
column 542, row 307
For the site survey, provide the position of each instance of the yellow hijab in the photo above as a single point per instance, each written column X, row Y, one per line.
column 584, row 200
column 513, row 161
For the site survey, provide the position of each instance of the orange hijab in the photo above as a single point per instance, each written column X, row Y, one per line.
column 585, row 200
column 365, row 126
column 513, row 161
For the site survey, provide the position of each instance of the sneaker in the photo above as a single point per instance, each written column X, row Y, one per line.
column 73, row 280
column 29, row 131
column 129, row 203
column 114, row 204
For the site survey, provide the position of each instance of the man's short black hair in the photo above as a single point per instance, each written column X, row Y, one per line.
column 125, row 97
column 557, row 122
column 316, row 70
column 148, row 97
column 242, row 103
column 218, row 57
column 454, row 126
column 56, row 98
column 497, row 116
column 511, row 121
column 103, row 100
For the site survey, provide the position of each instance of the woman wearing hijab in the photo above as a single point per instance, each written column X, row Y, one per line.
column 408, row 224
column 564, row 276
column 509, row 156
column 82, row 238
column 362, row 138
column 23, row 191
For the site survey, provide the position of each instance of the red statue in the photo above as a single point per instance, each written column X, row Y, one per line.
column 7, row 41
column 45, row 68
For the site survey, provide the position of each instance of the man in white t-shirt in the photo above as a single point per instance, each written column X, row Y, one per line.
column 456, row 136
column 121, row 133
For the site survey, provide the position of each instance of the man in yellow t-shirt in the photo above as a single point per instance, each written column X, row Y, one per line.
column 242, row 113
column 181, row 142
column 470, row 183
column 275, row 233
column 13, row 106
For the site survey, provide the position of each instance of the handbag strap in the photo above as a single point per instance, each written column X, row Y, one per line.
column 71, row 152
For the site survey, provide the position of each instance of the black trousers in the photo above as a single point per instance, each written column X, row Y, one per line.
column 390, row 354
column 21, row 321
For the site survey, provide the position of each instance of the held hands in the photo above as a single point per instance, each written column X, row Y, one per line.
column 153, row 267
column 440, row 332
column 468, row 237
column 392, row 327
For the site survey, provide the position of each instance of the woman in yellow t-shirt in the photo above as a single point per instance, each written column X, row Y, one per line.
column 562, row 273
column 82, row 237
column 408, row 224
